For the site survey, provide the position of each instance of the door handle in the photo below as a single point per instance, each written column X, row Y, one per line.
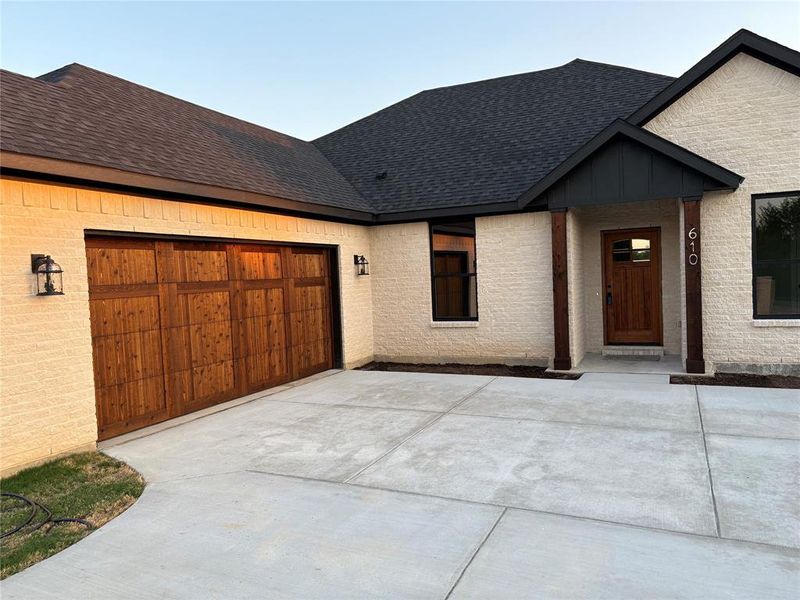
column 608, row 298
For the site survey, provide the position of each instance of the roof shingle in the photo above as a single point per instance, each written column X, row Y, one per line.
column 465, row 145
column 484, row 142
column 82, row 115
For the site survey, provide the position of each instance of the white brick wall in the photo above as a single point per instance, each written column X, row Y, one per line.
column 576, row 278
column 746, row 117
column 515, row 306
column 46, row 377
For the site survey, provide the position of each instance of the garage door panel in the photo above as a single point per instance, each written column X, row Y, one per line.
column 265, row 370
column 130, row 405
column 207, row 307
column 127, row 357
column 308, row 263
column 262, row 334
column 214, row 382
column 259, row 263
column 310, row 297
column 112, row 316
column 210, row 343
column 197, row 263
column 308, row 326
column 260, row 302
column 310, row 356
column 178, row 326
column 121, row 266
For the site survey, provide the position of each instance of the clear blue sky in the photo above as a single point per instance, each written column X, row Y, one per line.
column 308, row 68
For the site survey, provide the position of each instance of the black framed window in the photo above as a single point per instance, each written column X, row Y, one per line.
column 454, row 283
column 776, row 256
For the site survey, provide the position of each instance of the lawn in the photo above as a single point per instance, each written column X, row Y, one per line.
column 89, row 486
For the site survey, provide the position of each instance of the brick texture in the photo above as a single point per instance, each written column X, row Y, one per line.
column 515, row 305
column 746, row 117
column 46, row 377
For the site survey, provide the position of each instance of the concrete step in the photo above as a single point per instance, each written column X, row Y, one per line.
column 633, row 352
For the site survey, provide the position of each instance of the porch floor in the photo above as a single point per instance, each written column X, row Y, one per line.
column 669, row 364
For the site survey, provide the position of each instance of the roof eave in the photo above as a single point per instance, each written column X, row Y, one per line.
column 26, row 164
column 742, row 41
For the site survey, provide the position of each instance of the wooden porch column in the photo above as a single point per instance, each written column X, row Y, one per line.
column 694, row 300
column 562, row 360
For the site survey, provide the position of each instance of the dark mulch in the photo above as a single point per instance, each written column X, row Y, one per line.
column 740, row 379
column 459, row 369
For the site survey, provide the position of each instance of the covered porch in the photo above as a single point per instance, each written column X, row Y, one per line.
column 626, row 251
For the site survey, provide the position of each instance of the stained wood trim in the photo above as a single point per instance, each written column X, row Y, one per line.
column 695, row 363
column 562, row 360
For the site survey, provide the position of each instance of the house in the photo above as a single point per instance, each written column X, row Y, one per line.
column 528, row 219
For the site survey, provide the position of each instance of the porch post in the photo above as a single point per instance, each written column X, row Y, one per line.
column 694, row 301
column 562, row 360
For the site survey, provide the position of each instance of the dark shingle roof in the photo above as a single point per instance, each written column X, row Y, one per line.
column 464, row 145
column 483, row 142
column 82, row 115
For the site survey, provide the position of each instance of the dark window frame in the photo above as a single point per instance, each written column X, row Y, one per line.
column 755, row 262
column 433, row 276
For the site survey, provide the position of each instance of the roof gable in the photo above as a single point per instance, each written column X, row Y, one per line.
column 624, row 164
column 742, row 41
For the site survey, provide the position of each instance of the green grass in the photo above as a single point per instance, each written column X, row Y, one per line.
column 89, row 486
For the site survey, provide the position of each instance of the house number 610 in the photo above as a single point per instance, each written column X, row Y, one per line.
column 693, row 257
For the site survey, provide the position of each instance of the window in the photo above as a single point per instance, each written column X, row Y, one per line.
column 634, row 250
column 453, row 278
column 776, row 256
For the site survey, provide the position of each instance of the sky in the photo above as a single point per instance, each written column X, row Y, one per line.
column 307, row 68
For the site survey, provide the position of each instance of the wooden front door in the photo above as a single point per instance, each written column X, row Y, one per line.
column 632, row 286
column 178, row 326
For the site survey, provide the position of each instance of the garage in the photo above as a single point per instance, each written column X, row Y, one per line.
column 180, row 325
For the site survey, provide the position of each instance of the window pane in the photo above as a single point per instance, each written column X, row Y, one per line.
column 778, row 289
column 455, row 297
column 453, row 270
column 621, row 245
column 777, row 223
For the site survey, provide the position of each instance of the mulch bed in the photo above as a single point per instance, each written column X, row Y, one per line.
column 459, row 369
column 740, row 379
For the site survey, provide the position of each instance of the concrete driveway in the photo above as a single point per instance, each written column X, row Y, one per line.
column 366, row 484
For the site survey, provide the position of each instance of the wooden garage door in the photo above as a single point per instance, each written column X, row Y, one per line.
column 179, row 326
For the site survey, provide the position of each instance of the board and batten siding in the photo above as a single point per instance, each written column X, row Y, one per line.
column 745, row 116
column 46, row 381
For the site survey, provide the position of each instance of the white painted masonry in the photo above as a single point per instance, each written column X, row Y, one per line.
column 515, row 302
column 746, row 117
column 47, row 380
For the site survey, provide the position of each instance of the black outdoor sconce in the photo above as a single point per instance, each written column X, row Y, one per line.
column 48, row 275
column 361, row 263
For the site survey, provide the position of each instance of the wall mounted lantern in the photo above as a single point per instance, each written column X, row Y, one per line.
column 362, row 264
column 48, row 275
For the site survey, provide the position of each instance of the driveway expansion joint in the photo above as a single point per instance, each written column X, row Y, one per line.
column 477, row 551
column 580, row 423
column 427, row 425
column 708, row 463
column 506, row 508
